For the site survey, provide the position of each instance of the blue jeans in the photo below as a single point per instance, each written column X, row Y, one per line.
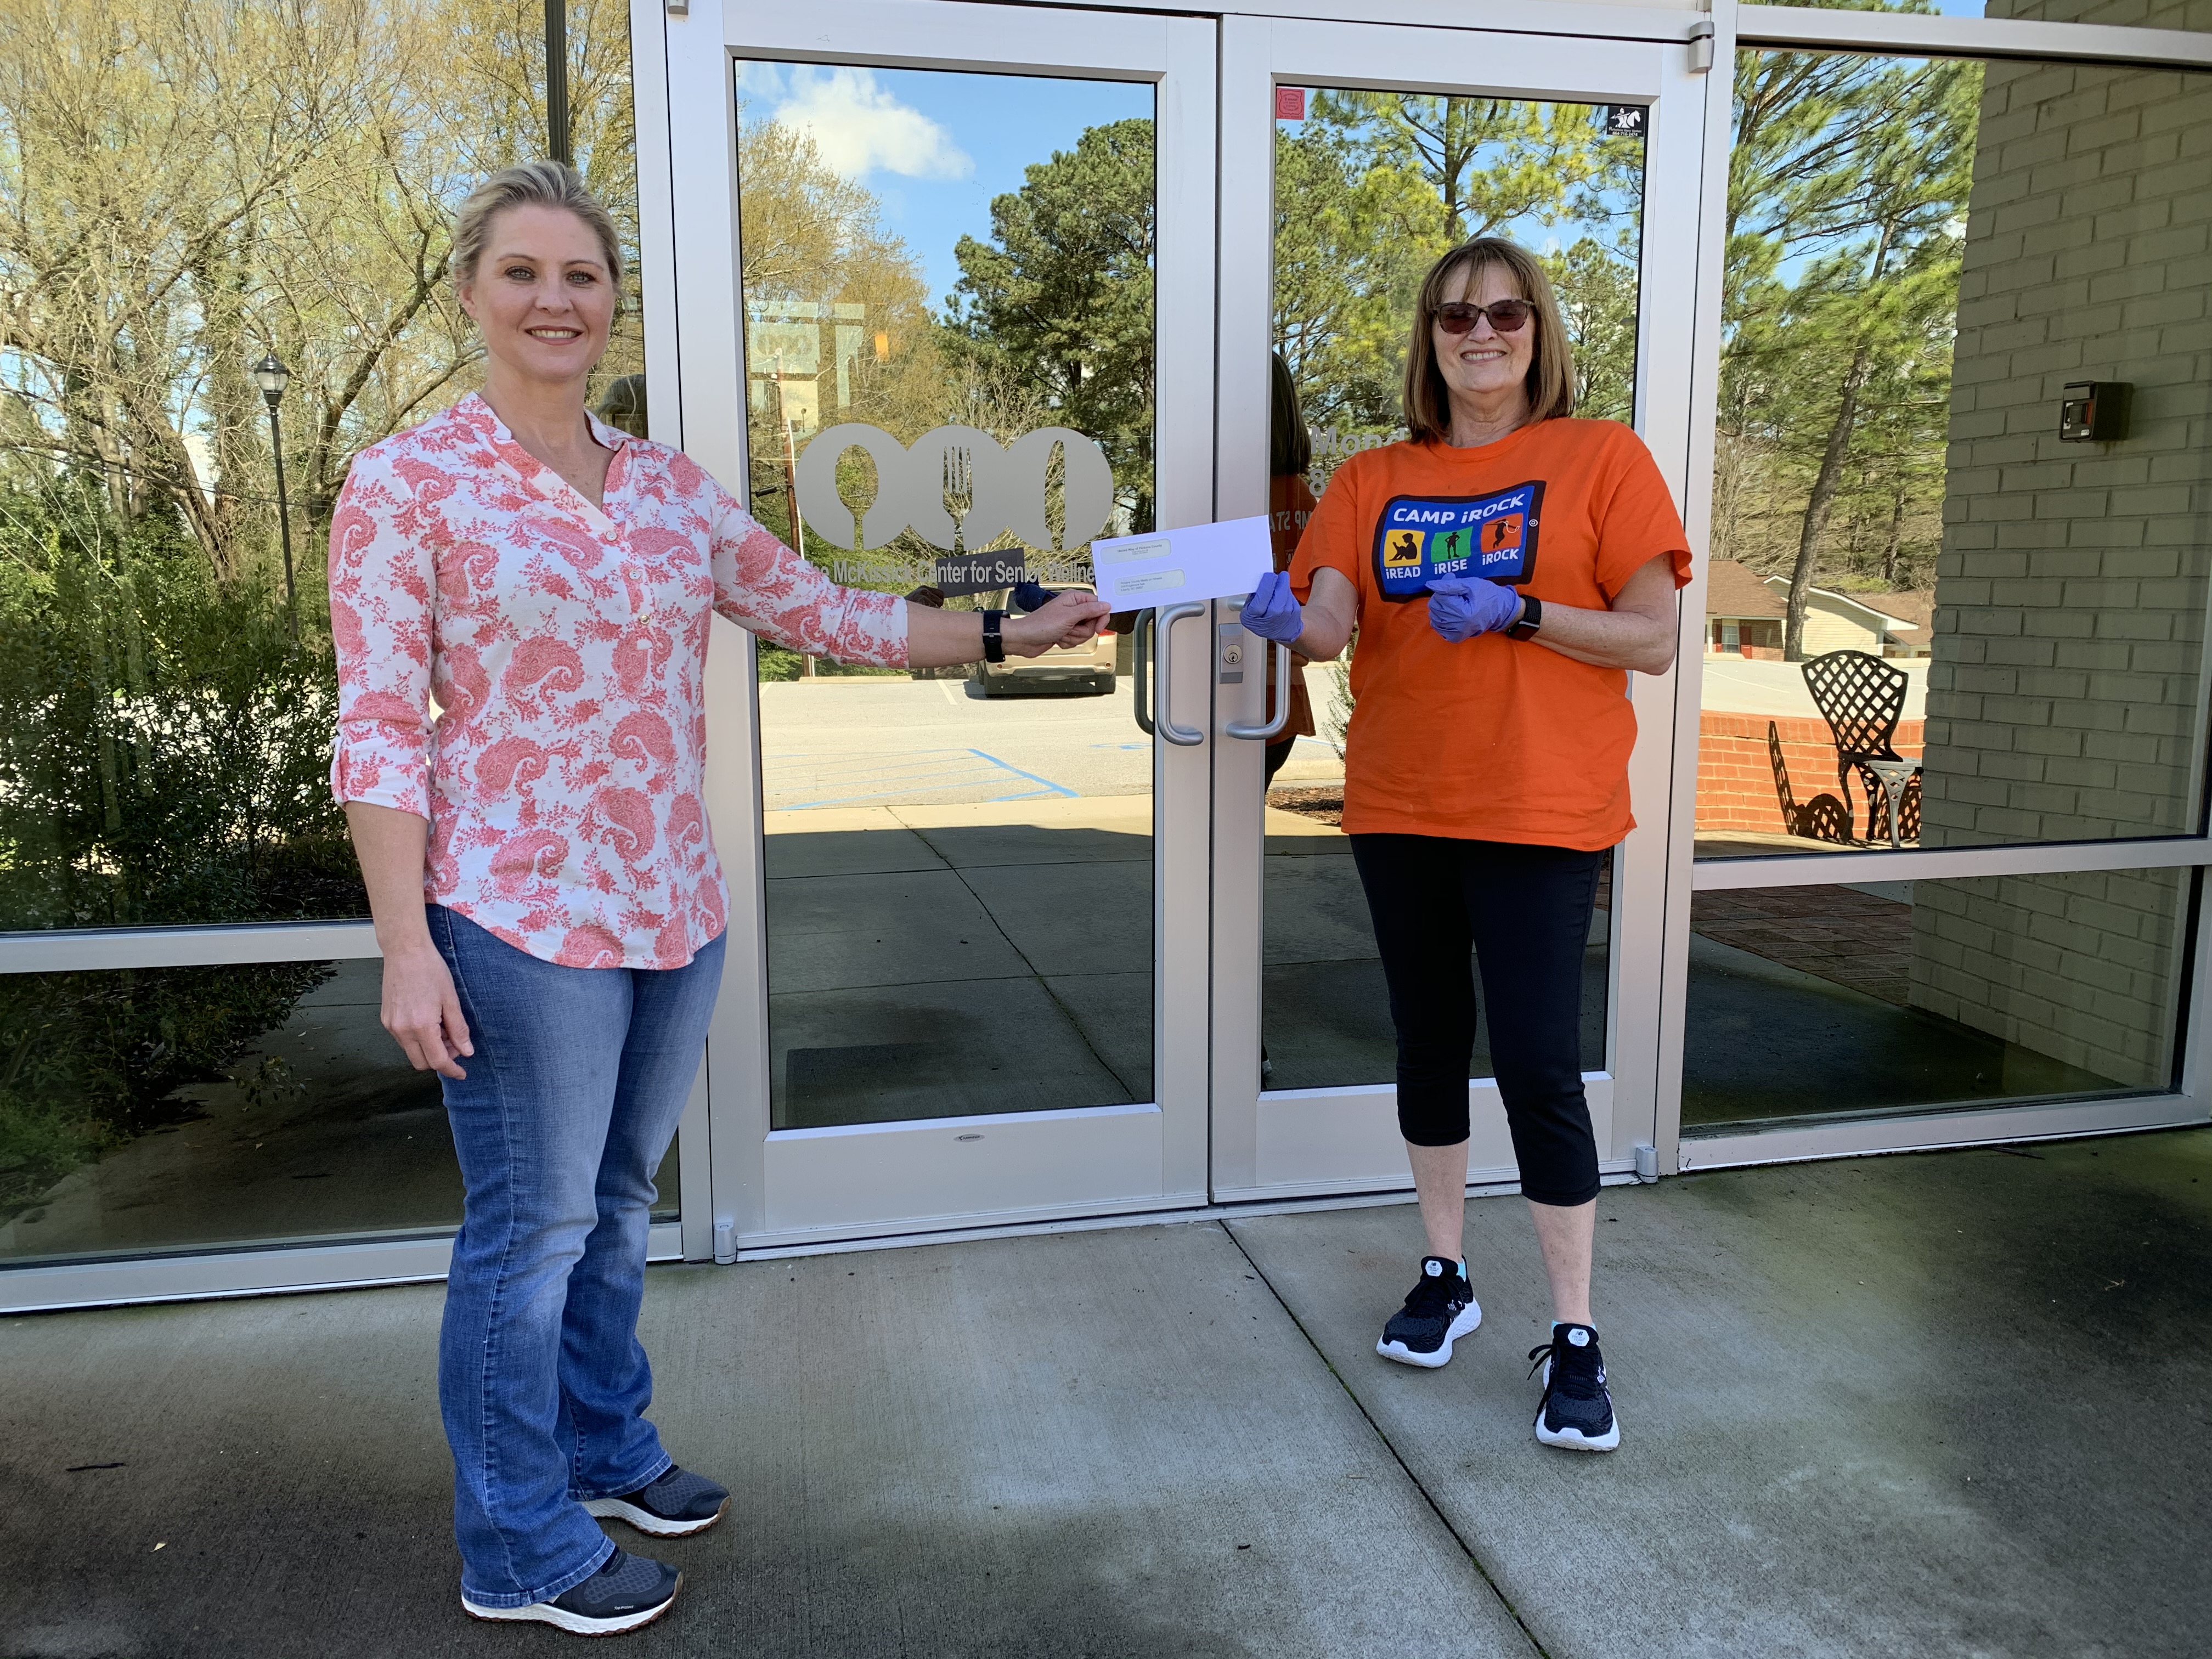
column 579, row 1077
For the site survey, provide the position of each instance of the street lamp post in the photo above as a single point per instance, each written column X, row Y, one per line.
column 272, row 377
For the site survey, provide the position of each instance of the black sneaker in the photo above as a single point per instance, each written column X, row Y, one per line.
column 1576, row 1411
column 677, row 1504
column 1441, row 1309
column 627, row 1592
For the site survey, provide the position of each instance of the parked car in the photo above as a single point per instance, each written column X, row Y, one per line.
column 1078, row 670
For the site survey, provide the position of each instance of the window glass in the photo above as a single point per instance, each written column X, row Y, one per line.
column 1371, row 187
column 2127, row 14
column 1960, row 545
column 948, row 372
column 164, row 1109
column 1867, row 997
column 257, row 180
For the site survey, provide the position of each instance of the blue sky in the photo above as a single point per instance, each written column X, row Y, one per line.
column 933, row 146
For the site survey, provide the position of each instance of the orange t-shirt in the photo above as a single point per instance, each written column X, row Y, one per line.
column 1493, row 738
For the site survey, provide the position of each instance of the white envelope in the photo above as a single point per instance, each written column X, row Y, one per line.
column 1201, row 562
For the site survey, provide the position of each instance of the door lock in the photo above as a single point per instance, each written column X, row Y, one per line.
column 1229, row 654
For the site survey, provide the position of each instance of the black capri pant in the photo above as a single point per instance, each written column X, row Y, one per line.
column 1525, row 914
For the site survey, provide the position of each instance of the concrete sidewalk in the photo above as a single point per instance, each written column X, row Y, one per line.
column 1941, row 1405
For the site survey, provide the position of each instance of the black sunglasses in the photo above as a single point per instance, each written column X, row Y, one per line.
column 1506, row 316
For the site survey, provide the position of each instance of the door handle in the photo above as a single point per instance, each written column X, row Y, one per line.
column 1140, row 671
column 1265, row 730
column 1164, row 715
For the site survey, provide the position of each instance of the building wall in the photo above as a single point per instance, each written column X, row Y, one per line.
column 1829, row 629
column 2068, row 675
column 1776, row 775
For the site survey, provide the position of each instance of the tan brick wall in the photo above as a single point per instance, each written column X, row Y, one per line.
column 2068, row 680
column 2070, row 594
column 2079, row 967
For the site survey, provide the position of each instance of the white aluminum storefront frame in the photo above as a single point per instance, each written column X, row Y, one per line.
column 1649, row 964
column 1891, row 32
column 1311, row 1142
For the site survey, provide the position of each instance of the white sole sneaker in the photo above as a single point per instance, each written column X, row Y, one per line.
column 545, row 1613
column 621, row 1508
column 1575, row 1439
column 1469, row 1318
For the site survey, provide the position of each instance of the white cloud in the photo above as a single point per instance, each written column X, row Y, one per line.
column 759, row 82
column 859, row 127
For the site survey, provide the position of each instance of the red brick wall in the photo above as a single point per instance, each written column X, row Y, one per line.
column 1736, row 771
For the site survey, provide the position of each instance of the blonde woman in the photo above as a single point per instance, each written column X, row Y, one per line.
column 1506, row 567
column 542, row 874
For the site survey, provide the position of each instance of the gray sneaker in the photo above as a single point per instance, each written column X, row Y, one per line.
column 678, row 1503
column 627, row 1592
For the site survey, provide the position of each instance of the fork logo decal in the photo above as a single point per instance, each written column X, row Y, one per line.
column 957, row 487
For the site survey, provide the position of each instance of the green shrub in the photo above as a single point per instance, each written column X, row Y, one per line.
column 88, row 1061
column 164, row 740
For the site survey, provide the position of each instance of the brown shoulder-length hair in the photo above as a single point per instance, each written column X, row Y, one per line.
column 1551, row 370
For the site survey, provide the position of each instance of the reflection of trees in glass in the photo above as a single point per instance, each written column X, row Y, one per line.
column 837, row 305
column 1051, row 324
column 164, row 746
column 1059, row 302
column 1373, row 186
column 832, row 300
column 1847, row 202
column 185, row 186
column 87, row 1061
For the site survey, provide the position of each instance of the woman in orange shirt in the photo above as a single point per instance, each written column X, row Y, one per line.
column 1505, row 568
column 1290, row 504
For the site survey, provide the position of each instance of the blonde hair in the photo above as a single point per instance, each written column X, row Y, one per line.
column 531, row 183
column 1551, row 370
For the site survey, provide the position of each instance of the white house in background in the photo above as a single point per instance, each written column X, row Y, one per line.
column 1899, row 626
column 1745, row 615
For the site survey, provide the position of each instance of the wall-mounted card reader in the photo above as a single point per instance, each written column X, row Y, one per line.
column 2093, row 412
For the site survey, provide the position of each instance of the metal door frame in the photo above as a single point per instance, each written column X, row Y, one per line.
column 1315, row 1142
column 779, row 1189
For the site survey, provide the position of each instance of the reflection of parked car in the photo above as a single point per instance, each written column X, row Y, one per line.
column 1084, row 670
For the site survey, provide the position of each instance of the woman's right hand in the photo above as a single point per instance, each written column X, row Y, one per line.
column 1459, row 607
column 1272, row 612
column 423, row 1012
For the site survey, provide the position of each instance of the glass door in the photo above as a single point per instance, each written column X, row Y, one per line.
column 966, row 260
column 1385, row 147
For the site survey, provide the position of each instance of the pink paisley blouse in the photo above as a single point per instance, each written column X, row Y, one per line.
column 526, row 671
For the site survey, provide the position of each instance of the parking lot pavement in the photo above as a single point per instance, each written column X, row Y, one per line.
column 876, row 740
column 866, row 741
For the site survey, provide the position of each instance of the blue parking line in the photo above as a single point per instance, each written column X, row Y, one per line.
column 886, row 770
column 1056, row 788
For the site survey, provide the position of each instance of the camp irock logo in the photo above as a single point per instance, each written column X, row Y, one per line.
column 955, row 487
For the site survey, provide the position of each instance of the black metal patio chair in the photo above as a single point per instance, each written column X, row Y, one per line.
column 1862, row 698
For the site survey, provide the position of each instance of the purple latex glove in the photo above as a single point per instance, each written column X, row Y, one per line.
column 1460, row 608
column 1272, row 613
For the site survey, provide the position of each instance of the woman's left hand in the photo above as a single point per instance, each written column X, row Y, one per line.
column 1460, row 608
column 1070, row 619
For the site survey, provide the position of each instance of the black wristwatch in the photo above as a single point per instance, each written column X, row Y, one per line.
column 1532, row 618
column 995, row 644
